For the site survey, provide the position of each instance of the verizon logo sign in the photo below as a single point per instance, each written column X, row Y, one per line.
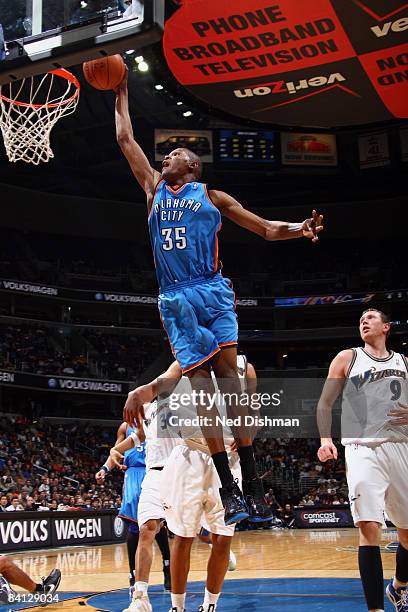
column 288, row 87
column 391, row 26
column 17, row 532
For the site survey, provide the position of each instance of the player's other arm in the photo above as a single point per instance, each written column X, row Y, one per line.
column 332, row 388
column 108, row 465
column 164, row 384
column 146, row 176
column 269, row 230
column 116, row 452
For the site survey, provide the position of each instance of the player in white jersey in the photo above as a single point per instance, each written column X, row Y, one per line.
column 375, row 434
column 150, row 509
column 192, row 499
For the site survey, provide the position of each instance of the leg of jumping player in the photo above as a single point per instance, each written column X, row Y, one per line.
column 226, row 372
column 232, row 498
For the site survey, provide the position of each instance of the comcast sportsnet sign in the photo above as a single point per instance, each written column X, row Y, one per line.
column 312, row 517
column 290, row 63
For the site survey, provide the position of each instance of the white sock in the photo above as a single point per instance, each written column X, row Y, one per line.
column 210, row 598
column 141, row 587
column 178, row 600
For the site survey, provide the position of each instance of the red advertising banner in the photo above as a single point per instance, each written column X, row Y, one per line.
column 324, row 63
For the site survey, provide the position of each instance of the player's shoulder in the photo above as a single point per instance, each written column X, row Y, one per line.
column 122, row 428
column 346, row 354
column 343, row 362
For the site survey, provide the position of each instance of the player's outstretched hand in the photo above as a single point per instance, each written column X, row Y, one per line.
column 400, row 414
column 133, row 411
column 117, row 459
column 312, row 227
column 100, row 477
column 327, row 451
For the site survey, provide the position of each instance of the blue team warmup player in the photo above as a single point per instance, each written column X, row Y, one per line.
column 196, row 302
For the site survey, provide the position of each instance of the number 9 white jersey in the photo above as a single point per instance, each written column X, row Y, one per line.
column 373, row 387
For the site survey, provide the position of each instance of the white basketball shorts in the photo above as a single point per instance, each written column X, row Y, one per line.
column 150, row 504
column 190, row 493
column 378, row 482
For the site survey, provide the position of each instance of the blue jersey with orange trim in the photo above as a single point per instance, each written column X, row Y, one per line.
column 136, row 456
column 183, row 225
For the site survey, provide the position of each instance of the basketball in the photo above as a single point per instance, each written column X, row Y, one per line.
column 105, row 73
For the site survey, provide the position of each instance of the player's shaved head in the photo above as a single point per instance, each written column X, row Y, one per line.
column 197, row 169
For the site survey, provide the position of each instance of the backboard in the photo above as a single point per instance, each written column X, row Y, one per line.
column 43, row 35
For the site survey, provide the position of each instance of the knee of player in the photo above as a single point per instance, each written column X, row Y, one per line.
column 229, row 382
column 370, row 530
column 221, row 542
column 403, row 537
column 5, row 564
column 183, row 543
column 148, row 529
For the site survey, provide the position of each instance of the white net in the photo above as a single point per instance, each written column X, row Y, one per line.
column 30, row 108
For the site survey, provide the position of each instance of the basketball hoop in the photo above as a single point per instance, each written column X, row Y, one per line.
column 26, row 125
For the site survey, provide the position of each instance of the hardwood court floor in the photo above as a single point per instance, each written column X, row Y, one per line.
column 260, row 554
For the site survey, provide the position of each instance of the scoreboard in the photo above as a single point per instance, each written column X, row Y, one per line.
column 247, row 146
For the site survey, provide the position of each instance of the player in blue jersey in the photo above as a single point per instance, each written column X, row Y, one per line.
column 135, row 464
column 196, row 302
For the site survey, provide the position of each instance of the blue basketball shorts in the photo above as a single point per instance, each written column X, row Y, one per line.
column 132, row 488
column 199, row 318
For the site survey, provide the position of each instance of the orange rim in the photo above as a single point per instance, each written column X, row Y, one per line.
column 61, row 72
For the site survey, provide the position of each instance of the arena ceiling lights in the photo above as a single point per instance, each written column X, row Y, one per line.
column 319, row 64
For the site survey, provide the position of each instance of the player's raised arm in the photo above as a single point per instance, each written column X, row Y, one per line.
column 332, row 388
column 146, row 176
column 165, row 383
column 270, row 230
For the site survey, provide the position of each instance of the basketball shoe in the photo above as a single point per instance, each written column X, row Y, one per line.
column 7, row 594
column 258, row 508
column 398, row 597
column 139, row 603
column 232, row 565
column 234, row 504
column 131, row 585
column 49, row 586
column 208, row 608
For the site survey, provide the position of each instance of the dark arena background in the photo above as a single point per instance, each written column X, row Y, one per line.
column 292, row 106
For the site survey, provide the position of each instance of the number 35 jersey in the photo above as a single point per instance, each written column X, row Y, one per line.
column 183, row 225
column 374, row 387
